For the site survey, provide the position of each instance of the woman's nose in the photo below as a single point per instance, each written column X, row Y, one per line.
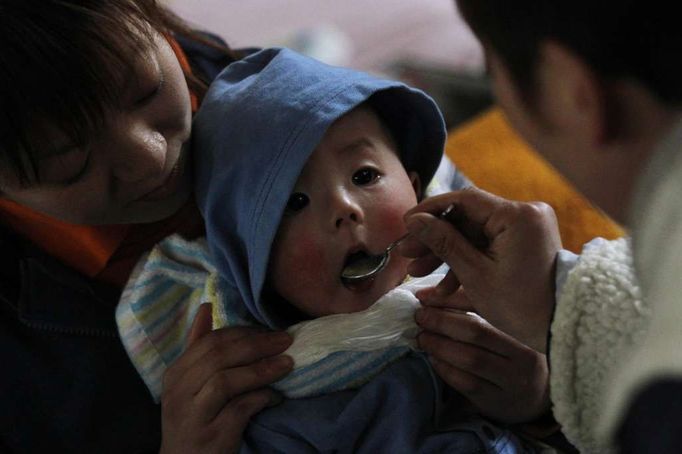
column 139, row 153
column 346, row 210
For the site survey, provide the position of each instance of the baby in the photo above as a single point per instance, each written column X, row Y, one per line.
column 301, row 169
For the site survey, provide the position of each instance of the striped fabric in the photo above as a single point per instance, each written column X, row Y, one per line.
column 159, row 303
column 167, row 286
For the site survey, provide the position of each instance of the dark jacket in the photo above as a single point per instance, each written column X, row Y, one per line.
column 66, row 383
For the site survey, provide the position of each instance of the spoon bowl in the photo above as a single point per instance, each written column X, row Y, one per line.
column 369, row 266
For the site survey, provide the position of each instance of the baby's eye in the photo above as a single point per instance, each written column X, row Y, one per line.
column 365, row 176
column 297, row 201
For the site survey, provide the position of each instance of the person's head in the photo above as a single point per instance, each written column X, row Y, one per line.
column 349, row 200
column 95, row 110
column 300, row 165
column 592, row 86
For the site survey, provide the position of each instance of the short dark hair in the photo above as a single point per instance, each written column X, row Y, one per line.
column 625, row 39
column 64, row 63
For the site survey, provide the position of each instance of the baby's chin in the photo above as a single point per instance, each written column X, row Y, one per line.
column 354, row 298
column 364, row 294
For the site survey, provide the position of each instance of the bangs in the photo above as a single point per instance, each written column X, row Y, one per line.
column 64, row 66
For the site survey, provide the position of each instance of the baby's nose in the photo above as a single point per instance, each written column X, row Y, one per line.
column 347, row 211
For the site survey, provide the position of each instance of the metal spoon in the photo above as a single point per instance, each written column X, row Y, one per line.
column 368, row 267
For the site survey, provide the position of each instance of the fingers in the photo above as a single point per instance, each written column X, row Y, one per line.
column 224, row 349
column 230, row 423
column 459, row 238
column 215, row 386
column 448, row 244
column 464, row 357
column 477, row 205
column 224, row 387
column 445, row 297
column 184, row 432
column 424, row 265
column 469, row 384
column 202, row 324
column 518, row 400
column 412, row 248
column 202, row 345
column 448, row 285
column 461, row 327
column 504, row 378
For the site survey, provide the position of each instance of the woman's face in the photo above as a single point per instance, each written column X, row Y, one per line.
column 136, row 167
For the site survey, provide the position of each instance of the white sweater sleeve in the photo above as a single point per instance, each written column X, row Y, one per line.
column 599, row 317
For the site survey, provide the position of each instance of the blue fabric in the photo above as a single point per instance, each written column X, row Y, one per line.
column 258, row 124
column 166, row 288
column 399, row 411
column 67, row 384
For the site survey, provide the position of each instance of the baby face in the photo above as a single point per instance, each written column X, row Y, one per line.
column 350, row 197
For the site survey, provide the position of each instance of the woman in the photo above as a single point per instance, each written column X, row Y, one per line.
column 97, row 99
column 596, row 90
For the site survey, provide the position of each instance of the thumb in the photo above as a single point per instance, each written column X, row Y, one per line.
column 447, row 286
column 202, row 324
column 446, row 243
column 457, row 300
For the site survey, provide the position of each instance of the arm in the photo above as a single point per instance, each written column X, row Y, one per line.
column 599, row 318
column 505, row 379
column 598, row 310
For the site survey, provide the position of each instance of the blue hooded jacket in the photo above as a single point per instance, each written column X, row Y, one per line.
column 258, row 125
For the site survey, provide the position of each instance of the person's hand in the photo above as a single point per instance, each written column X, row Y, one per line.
column 219, row 382
column 511, row 282
column 503, row 378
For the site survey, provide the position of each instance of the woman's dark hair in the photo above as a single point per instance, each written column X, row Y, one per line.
column 64, row 63
column 625, row 39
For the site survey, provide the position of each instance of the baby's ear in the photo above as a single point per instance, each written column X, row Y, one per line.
column 416, row 184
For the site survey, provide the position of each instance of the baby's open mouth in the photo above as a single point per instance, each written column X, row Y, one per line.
column 353, row 259
column 355, row 264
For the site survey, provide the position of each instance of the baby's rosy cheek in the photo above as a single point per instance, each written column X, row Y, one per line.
column 306, row 259
column 391, row 220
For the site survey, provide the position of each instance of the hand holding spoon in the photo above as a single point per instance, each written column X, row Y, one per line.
column 368, row 266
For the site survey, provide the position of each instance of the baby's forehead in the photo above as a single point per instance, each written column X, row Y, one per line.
column 359, row 132
column 359, row 128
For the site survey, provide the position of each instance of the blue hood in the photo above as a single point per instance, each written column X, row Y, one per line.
column 259, row 122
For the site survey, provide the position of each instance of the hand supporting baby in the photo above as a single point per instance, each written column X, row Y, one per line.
column 218, row 384
column 504, row 379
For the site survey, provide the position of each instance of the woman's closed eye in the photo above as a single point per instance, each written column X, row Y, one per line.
column 64, row 168
column 297, row 201
column 149, row 94
column 365, row 176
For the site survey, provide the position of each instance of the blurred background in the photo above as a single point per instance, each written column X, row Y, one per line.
column 426, row 44
column 423, row 42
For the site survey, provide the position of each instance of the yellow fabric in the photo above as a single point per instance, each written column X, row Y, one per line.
column 497, row 160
